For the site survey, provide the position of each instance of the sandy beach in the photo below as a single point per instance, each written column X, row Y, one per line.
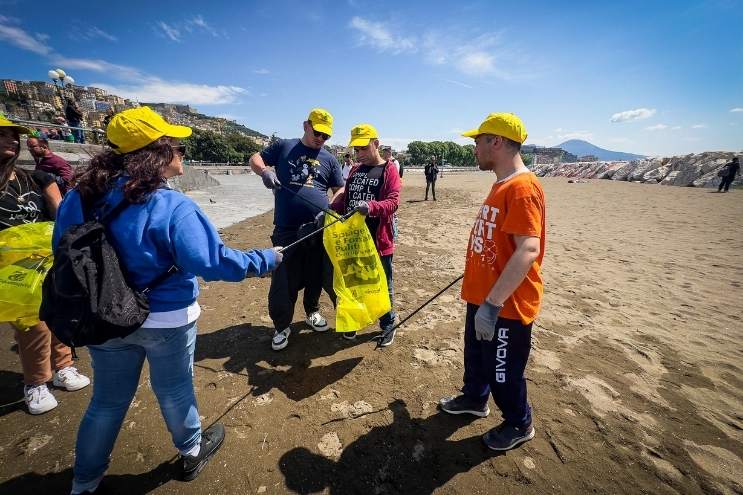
column 635, row 375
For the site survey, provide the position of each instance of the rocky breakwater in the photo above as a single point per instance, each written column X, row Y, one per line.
column 694, row 170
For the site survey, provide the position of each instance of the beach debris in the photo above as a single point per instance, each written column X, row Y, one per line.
column 330, row 445
column 263, row 400
column 529, row 463
column 30, row 445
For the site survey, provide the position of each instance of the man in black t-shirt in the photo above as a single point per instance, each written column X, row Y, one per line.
column 431, row 172
column 300, row 172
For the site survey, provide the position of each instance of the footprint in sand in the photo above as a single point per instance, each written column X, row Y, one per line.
column 358, row 408
column 330, row 445
column 428, row 357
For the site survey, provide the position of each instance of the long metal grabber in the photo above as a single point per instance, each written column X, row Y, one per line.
column 380, row 338
column 338, row 219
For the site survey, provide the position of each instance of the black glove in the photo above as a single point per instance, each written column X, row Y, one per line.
column 307, row 228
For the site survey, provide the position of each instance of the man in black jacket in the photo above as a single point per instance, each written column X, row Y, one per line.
column 74, row 119
column 728, row 174
column 432, row 173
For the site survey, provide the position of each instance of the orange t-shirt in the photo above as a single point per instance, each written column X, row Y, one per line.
column 515, row 206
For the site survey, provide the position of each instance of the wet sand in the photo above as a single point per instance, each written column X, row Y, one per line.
column 634, row 378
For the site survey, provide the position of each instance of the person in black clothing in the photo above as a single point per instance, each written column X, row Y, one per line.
column 728, row 174
column 432, row 173
column 74, row 118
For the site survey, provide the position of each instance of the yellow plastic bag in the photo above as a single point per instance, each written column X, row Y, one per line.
column 25, row 259
column 358, row 276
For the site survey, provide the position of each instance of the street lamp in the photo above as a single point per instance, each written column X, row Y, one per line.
column 60, row 78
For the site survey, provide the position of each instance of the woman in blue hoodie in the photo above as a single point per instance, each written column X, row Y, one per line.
column 161, row 228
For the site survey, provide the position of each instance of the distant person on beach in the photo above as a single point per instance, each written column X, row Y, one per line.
column 157, row 230
column 300, row 172
column 48, row 162
column 728, row 174
column 431, row 171
column 347, row 165
column 30, row 197
column 502, row 285
column 388, row 157
column 373, row 188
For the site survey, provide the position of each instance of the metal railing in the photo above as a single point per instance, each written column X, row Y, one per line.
column 98, row 134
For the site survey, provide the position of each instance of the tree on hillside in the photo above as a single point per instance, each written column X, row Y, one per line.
column 209, row 146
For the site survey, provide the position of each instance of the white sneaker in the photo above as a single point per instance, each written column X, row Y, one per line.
column 70, row 379
column 281, row 339
column 317, row 322
column 39, row 399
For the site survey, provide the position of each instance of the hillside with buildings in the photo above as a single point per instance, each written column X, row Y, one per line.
column 42, row 101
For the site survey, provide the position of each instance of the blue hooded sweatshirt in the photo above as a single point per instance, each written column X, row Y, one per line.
column 168, row 229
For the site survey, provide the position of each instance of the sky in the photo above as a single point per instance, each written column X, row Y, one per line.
column 649, row 77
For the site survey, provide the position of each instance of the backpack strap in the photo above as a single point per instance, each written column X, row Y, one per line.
column 160, row 279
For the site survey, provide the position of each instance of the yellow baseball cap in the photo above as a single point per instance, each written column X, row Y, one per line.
column 4, row 122
column 321, row 120
column 135, row 128
column 507, row 125
column 362, row 134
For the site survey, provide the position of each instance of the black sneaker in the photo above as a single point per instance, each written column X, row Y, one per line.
column 506, row 437
column 211, row 440
column 349, row 335
column 387, row 338
column 463, row 405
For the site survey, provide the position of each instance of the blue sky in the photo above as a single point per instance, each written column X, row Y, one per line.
column 649, row 77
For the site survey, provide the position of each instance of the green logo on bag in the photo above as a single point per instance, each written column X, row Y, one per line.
column 17, row 276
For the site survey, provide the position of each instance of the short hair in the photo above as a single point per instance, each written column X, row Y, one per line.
column 510, row 143
column 42, row 140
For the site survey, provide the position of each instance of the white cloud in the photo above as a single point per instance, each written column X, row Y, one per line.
column 630, row 115
column 21, row 39
column 564, row 134
column 657, row 127
column 477, row 56
column 458, row 83
column 476, row 63
column 199, row 22
column 699, row 126
column 676, row 128
column 262, row 71
column 97, row 65
column 160, row 91
column 736, row 109
column 170, row 31
column 376, row 35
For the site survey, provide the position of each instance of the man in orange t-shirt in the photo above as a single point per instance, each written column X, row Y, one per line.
column 502, row 285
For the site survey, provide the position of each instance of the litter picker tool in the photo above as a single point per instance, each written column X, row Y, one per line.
column 302, row 239
column 380, row 338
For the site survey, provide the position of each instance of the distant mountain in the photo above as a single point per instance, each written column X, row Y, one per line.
column 580, row 148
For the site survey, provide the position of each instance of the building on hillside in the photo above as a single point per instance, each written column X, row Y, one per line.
column 98, row 92
column 588, row 158
column 102, row 106
column 86, row 104
column 553, row 155
column 9, row 87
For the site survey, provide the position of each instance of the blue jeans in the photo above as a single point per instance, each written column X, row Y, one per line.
column 116, row 368
column 388, row 320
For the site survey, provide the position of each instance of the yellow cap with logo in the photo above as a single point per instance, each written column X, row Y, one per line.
column 4, row 122
column 362, row 134
column 135, row 128
column 321, row 120
column 507, row 125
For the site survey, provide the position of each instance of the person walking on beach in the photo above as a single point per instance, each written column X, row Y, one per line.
column 157, row 230
column 300, row 172
column 431, row 171
column 373, row 189
column 388, row 157
column 29, row 197
column 728, row 174
column 47, row 161
column 502, row 285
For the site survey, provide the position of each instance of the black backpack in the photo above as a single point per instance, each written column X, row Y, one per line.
column 86, row 298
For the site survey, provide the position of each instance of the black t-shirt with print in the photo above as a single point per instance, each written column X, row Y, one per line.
column 365, row 185
column 22, row 200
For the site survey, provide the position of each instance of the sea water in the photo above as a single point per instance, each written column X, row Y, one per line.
column 236, row 198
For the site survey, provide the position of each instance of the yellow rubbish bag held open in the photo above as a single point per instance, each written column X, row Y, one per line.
column 358, row 276
column 25, row 259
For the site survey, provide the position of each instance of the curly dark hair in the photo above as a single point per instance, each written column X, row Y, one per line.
column 145, row 168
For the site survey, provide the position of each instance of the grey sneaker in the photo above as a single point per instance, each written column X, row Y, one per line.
column 317, row 322
column 280, row 339
column 349, row 335
column 387, row 338
column 506, row 437
column 463, row 405
column 211, row 440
